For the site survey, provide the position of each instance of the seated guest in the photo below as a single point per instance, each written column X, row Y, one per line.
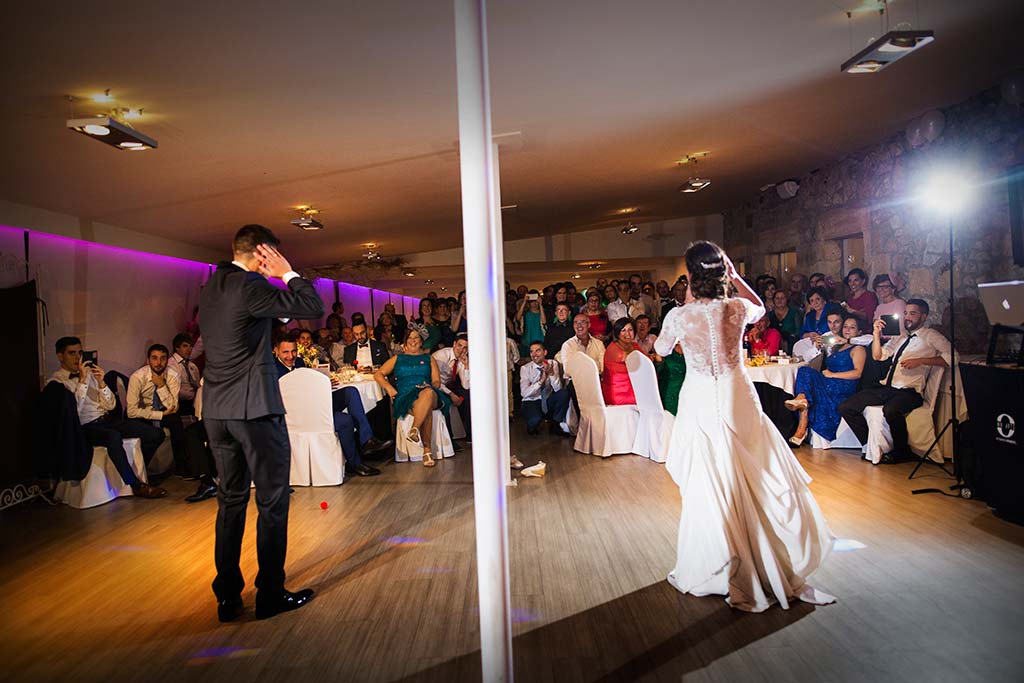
column 367, row 352
column 325, row 337
column 888, row 302
column 678, row 295
column 615, row 383
column 625, row 306
column 400, row 323
column 187, row 371
column 387, row 338
column 582, row 342
column 599, row 325
column 350, row 420
column 540, row 383
column 798, row 290
column 768, row 288
column 644, row 339
column 338, row 348
column 671, row 374
column 763, row 339
column 818, row 394
column 418, row 390
column 429, row 332
column 913, row 355
column 530, row 321
column 815, row 322
column 152, row 403
column 560, row 329
column 443, row 321
column 453, row 366
column 100, row 423
column 460, row 325
column 611, row 292
column 784, row 318
column 305, row 340
column 860, row 301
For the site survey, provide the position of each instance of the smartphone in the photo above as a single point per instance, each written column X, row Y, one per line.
column 90, row 358
column 532, row 297
column 892, row 325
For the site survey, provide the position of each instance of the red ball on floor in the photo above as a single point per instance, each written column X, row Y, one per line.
column 323, row 505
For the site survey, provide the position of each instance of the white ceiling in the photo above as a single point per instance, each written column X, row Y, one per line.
column 259, row 106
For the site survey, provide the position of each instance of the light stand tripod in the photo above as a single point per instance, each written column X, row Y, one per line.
column 953, row 421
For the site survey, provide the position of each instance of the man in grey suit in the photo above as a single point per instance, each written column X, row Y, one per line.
column 244, row 415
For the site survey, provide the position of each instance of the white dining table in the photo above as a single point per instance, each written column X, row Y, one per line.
column 781, row 376
column 369, row 391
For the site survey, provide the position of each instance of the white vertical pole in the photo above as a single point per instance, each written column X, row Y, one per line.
column 486, row 337
column 497, row 239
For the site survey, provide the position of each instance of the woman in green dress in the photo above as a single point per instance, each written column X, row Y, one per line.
column 418, row 390
column 430, row 333
column 530, row 322
column 784, row 318
column 671, row 373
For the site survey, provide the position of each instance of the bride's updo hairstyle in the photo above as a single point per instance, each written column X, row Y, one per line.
column 706, row 263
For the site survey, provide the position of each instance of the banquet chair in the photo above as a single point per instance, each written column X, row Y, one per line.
column 317, row 459
column 440, row 439
column 845, row 438
column 920, row 424
column 458, row 429
column 603, row 430
column 655, row 427
column 102, row 483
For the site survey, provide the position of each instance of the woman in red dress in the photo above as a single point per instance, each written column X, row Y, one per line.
column 615, row 384
column 599, row 325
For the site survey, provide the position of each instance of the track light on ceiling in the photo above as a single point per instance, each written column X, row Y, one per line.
column 306, row 220
column 694, row 184
column 113, row 132
column 629, row 229
column 409, row 273
column 886, row 50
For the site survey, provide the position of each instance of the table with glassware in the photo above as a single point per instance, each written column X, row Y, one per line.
column 781, row 375
column 369, row 391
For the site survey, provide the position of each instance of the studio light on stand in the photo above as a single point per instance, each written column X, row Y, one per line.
column 947, row 193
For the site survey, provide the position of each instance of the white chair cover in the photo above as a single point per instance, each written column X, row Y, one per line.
column 603, row 430
column 102, row 483
column 655, row 426
column 806, row 349
column 920, row 425
column 317, row 459
column 845, row 438
column 440, row 440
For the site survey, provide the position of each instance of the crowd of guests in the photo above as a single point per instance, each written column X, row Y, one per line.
column 423, row 364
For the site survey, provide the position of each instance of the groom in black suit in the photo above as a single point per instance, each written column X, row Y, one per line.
column 244, row 414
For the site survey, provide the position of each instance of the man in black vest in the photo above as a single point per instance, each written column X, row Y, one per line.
column 365, row 350
column 244, row 414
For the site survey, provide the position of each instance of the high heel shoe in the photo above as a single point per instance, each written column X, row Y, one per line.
column 797, row 441
column 428, row 460
column 796, row 404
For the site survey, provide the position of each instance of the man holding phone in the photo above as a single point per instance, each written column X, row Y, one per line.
column 83, row 377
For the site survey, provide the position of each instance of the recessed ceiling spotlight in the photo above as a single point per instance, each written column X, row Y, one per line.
column 886, row 50
column 428, row 281
column 628, row 210
column 629, row 229
column 694, row 185
column 111, row 131
column 409, row 273
column 443, row 289
column 575, row 276
column 369, row 245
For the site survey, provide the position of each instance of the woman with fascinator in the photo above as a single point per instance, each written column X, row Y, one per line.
column 750, row 528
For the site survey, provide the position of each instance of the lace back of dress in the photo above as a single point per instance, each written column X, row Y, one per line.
column 713, row 335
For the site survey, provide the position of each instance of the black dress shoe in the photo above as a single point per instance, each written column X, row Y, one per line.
column 361, row 470
column 532, row 431
column 230, row 609
column 206, row 489
column 269, row 604
column 375, row 445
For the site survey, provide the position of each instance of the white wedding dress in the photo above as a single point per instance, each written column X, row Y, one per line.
column 750, row 528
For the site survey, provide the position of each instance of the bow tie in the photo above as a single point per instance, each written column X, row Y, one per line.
column 74, row 375
column 364, row 345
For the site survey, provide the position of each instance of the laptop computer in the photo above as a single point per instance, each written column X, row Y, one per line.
column 1003, row 302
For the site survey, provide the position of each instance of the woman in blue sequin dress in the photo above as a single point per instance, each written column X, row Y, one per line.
column 818, row 394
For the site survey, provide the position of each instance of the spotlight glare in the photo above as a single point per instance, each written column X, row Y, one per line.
column 947, row 191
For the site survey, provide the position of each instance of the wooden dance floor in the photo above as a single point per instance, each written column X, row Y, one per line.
column 929, row 587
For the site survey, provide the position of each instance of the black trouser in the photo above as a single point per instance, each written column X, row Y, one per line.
column 176, row 427
column 108, row 431
column 197, row 453
column 896, row 405
column 250, row 451
column 463, row 408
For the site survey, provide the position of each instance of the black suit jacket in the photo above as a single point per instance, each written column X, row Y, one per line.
column 283, row 370
column 236, row 312
column 378, row 352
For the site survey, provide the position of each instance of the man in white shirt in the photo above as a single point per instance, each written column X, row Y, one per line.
column 187, row 371
column 152, row 402
column 338, row 348
column 914, row 354
column 582, row 342
column 544, row 394
column 100, row 422
column 453, row 366
column 625, row 306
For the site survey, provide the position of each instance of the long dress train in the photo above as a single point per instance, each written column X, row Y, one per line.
column 750, row 528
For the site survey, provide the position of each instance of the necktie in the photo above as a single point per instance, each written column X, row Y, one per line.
column 896, row 361
column 455, row 371
column 188, row 373
column 157, row 403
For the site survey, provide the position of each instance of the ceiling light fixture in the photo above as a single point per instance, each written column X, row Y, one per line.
column 409, row 273
column 694, row 184
column 305, row 221
column 104, row 98
column 629, row 229
column 886, row 50
column 693, row 157
column 428, row 281
column 628, row 210
column 113, row 132
column 575, row 276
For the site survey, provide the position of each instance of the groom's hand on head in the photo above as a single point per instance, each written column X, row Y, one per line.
column 271, row 262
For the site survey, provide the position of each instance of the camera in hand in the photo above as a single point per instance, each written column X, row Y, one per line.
column 90, row 358
column 892, row 325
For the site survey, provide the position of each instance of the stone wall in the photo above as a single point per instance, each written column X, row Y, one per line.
column 871, row 193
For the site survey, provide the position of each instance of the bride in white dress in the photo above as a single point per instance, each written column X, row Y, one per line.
column 750, row 528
